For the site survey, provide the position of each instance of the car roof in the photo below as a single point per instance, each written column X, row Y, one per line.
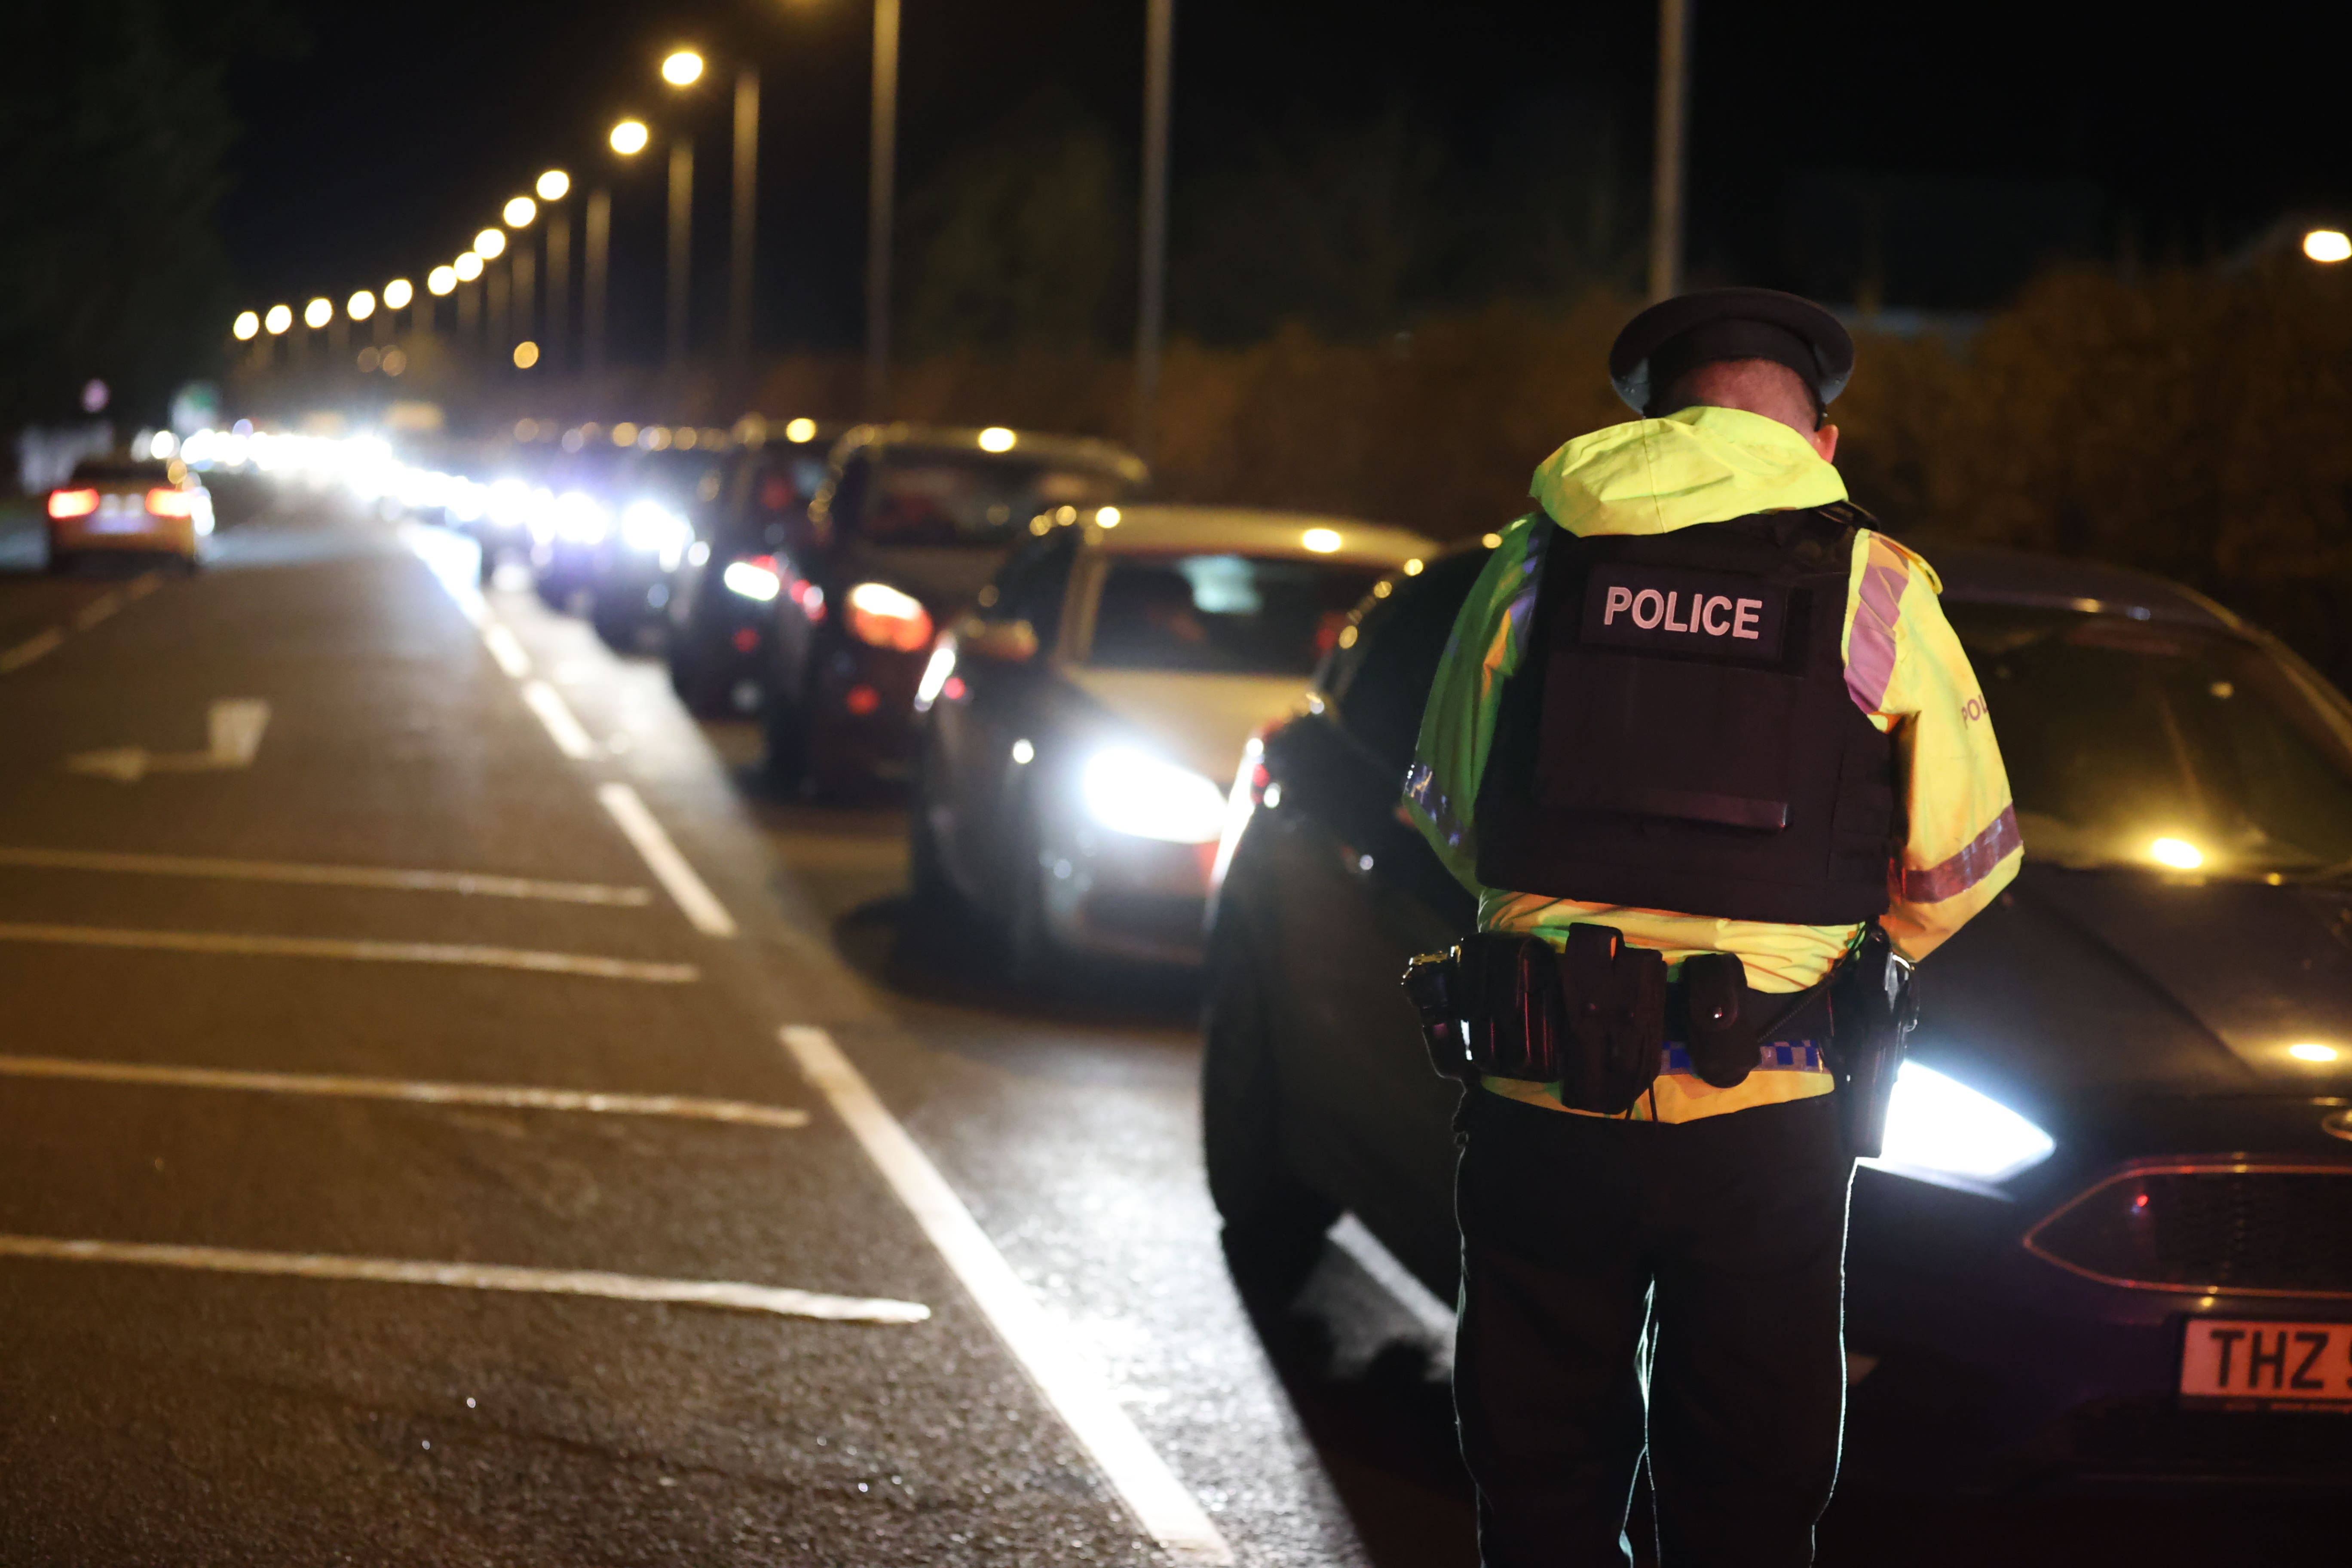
column 1028, row 445
column 1253, row 531
column 1990, row 574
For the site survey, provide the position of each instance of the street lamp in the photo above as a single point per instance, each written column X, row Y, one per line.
column 318, row 313
column 468, row 266
column 683, row 67
column 2327, row 245
column 553, row 186
column 491, row 244
column 248, row 324
column 280, row 316
column 440, row 280
column 882, row 166
column 629, row 138
column 518, row 211
column 397, row 294
column 361, row 306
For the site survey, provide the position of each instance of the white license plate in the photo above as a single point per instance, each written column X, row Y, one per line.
column 2267, row 1364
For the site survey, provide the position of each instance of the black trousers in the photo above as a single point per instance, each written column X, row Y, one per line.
column 1725, row 1240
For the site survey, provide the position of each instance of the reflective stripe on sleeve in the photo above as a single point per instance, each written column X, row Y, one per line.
column 1973, row 864
column 1870, row 649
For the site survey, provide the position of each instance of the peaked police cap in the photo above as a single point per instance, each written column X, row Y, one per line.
column 1678, row 335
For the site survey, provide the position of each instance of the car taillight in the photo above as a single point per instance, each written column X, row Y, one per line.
column 72, row 503
column 883, row 617
column 165, row 501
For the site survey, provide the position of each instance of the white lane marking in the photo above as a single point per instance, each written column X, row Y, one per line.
column 783, row 1302
column 97, row 610
column 1167, row 1514
column 366, row 952
column 569, row 738
column 385, row 878
column 1436, row 1317
column 235, row 725
column 693, row 896
column 507, row 650
column 31, row 648
column 509, row 1096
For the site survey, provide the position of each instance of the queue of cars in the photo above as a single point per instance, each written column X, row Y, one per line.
column 2110, row 1236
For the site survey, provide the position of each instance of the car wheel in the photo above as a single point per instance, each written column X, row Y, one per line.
column 1274, row 1222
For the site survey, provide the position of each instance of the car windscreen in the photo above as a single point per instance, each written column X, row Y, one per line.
column 951, row 499
column 1224, row 615
column 2131, row 742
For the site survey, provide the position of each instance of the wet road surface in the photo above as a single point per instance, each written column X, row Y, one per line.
column 181, row 1408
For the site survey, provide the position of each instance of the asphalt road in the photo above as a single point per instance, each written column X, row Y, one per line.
column 180, row 1408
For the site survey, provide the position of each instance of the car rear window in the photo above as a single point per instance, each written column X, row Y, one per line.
column 950, row 498
column 1225, row 615
column 118, row 470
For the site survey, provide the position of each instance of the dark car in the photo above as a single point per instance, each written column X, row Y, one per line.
column 718, row 633
column 2117, row 1169
column 615, row 545
column 910, row 522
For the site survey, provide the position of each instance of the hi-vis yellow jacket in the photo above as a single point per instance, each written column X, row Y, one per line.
column 1904, row 667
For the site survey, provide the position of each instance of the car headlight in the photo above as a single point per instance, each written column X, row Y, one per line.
column 1133, row 792
column 652, row 530
column 754, row 579
column 579, row 518
column 882, row 616
column 1937, row 1126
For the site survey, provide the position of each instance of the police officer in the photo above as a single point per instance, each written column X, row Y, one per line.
column 1703, row 734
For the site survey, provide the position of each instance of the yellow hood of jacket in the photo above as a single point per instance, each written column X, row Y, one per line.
column 1700, row 465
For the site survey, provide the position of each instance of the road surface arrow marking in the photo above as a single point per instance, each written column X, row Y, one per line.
column 237, row 724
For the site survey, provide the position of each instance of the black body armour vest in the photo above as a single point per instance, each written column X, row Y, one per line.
column 1679, row 735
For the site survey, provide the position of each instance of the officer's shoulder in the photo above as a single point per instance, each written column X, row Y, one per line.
column 1870, row 534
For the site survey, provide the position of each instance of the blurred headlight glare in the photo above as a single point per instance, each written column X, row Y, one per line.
column 1939, row 1126
column 755, row 579
column 1130, row 791
column 652, row 528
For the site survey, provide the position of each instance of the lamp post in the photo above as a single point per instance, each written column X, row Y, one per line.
column 1667, row 172
column 628, row 139
column 681, row 68
column 1151, row 295
column 746, row 171
column 518, row 214
column 883, row 164
column 552, row 187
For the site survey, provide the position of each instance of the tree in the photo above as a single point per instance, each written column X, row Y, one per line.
column 112, row 139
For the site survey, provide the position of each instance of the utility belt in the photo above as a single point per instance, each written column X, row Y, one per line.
column 1597, row 1017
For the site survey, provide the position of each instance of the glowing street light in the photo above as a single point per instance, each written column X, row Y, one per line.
column 360, row 305
column 440, row 280
column 491, row 244
column 397, row 294
column 2327, row 245
column 318, row 312
column 682, row 68
column 553, row 186
column 629, row 138
column 280, row 316
column 519, row 212
column 526, row 354
column 248, row 324
column 468, row 266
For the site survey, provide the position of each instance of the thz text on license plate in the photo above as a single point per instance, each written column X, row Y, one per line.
column 2267, row 1364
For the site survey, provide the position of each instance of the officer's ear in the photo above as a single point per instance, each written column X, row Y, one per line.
column 1824, row 441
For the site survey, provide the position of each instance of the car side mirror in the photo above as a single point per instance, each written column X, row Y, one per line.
column 1005, row 641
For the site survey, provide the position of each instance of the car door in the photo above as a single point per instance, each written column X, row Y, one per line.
column 1361, row 893
column 1001, row 702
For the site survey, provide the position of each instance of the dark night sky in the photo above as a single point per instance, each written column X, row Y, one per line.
column 401, row 130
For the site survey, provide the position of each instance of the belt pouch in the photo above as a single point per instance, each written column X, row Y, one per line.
column 1511, row 989
column 1719, row 1023
column 1616, row 1019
